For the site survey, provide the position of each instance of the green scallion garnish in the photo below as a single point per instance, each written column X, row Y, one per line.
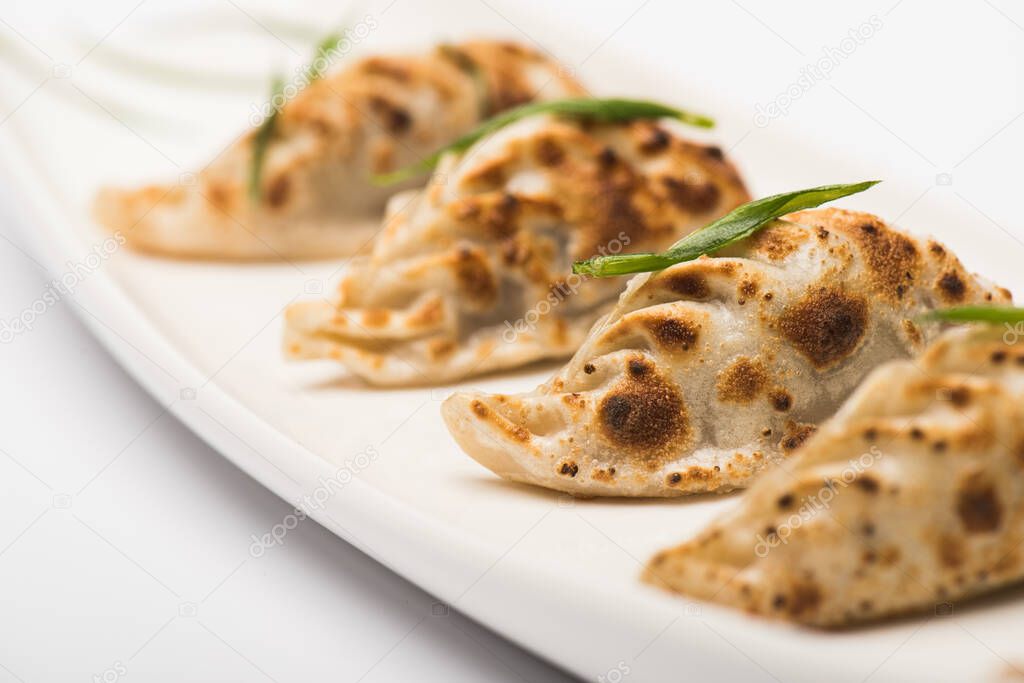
column 604, row 110
column 976, row 314
column 261, row 141
column 736, row 225
column 265, row 132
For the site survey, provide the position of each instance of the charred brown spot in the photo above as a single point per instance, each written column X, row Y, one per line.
column 278, row 191
column 694, row 197
column 490, row 175
column 913, row 332
column 219, row 194
column 474, row 276
column 867, row 484
column 653, row 140
column 892, row 257
column 495, row 216
column 569, row 469
column 959, row 396
column 673, row 333
column 951, row 551
column 998, row 357
column 889, row 555
column 674, row 478
column 805, row 597
column 778, row 241
column 826, row 326
column 607, row 157
column 396, row 120
column 714, row 152
column 638, row 367
column 548, row 152
column 781, row 400
column 688, row 284
column 796, row 435
column 978, row 505
column 589, row 368
column 644, row 413
column 514, row 252
column 506, row 89
column 459, row 58
column 606, row 206
column 785, row 501
column 747, row 289
column 742, row 381
column 951, row 287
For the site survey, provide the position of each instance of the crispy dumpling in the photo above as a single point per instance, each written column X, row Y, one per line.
column 474, row 274
column 317, row 199
column 708, row 371
column 912, row 496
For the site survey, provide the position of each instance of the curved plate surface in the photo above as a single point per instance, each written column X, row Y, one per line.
column 377, row 467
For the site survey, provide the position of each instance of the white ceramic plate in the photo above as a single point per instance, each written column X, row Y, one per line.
column 556, row 575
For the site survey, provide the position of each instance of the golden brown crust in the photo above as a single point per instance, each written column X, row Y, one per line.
column 751, row 350
column 901, row 502
column 373, row 116
column 496, row 241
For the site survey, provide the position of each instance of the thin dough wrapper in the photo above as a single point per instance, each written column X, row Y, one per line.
column 317, row 201
column 474, row 274
column 911, row 496
column 708, row 371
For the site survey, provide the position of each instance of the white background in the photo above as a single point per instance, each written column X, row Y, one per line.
column 124, row 539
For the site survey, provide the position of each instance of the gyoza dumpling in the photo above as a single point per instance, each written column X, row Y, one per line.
column 475, row 275
column 708, row 371
column 377, row 115
column 911, row 496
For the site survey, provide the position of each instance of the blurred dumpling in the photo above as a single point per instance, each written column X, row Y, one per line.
column 317, row 199
column 911, row 496
column 710, row 370
column 475, row 274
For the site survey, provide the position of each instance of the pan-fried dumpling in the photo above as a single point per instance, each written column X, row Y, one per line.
column 708, row 371
column 910, row 497
column 317, row 201
column 475, row 274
